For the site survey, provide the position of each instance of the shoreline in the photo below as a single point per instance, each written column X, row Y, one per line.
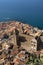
column 23, row 27
column 21, row 22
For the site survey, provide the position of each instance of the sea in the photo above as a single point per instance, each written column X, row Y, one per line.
column 26, row 11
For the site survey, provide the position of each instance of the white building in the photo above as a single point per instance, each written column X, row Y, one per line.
column 33, row 45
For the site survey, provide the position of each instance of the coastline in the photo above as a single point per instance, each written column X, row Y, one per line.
column 6, row 21
column 27, row 28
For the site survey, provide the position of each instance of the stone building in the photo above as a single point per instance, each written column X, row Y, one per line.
column 33, row 45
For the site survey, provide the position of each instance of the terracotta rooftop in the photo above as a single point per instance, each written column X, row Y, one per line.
column 9, row 49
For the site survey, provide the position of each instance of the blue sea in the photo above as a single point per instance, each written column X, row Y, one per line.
column 26, row 11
